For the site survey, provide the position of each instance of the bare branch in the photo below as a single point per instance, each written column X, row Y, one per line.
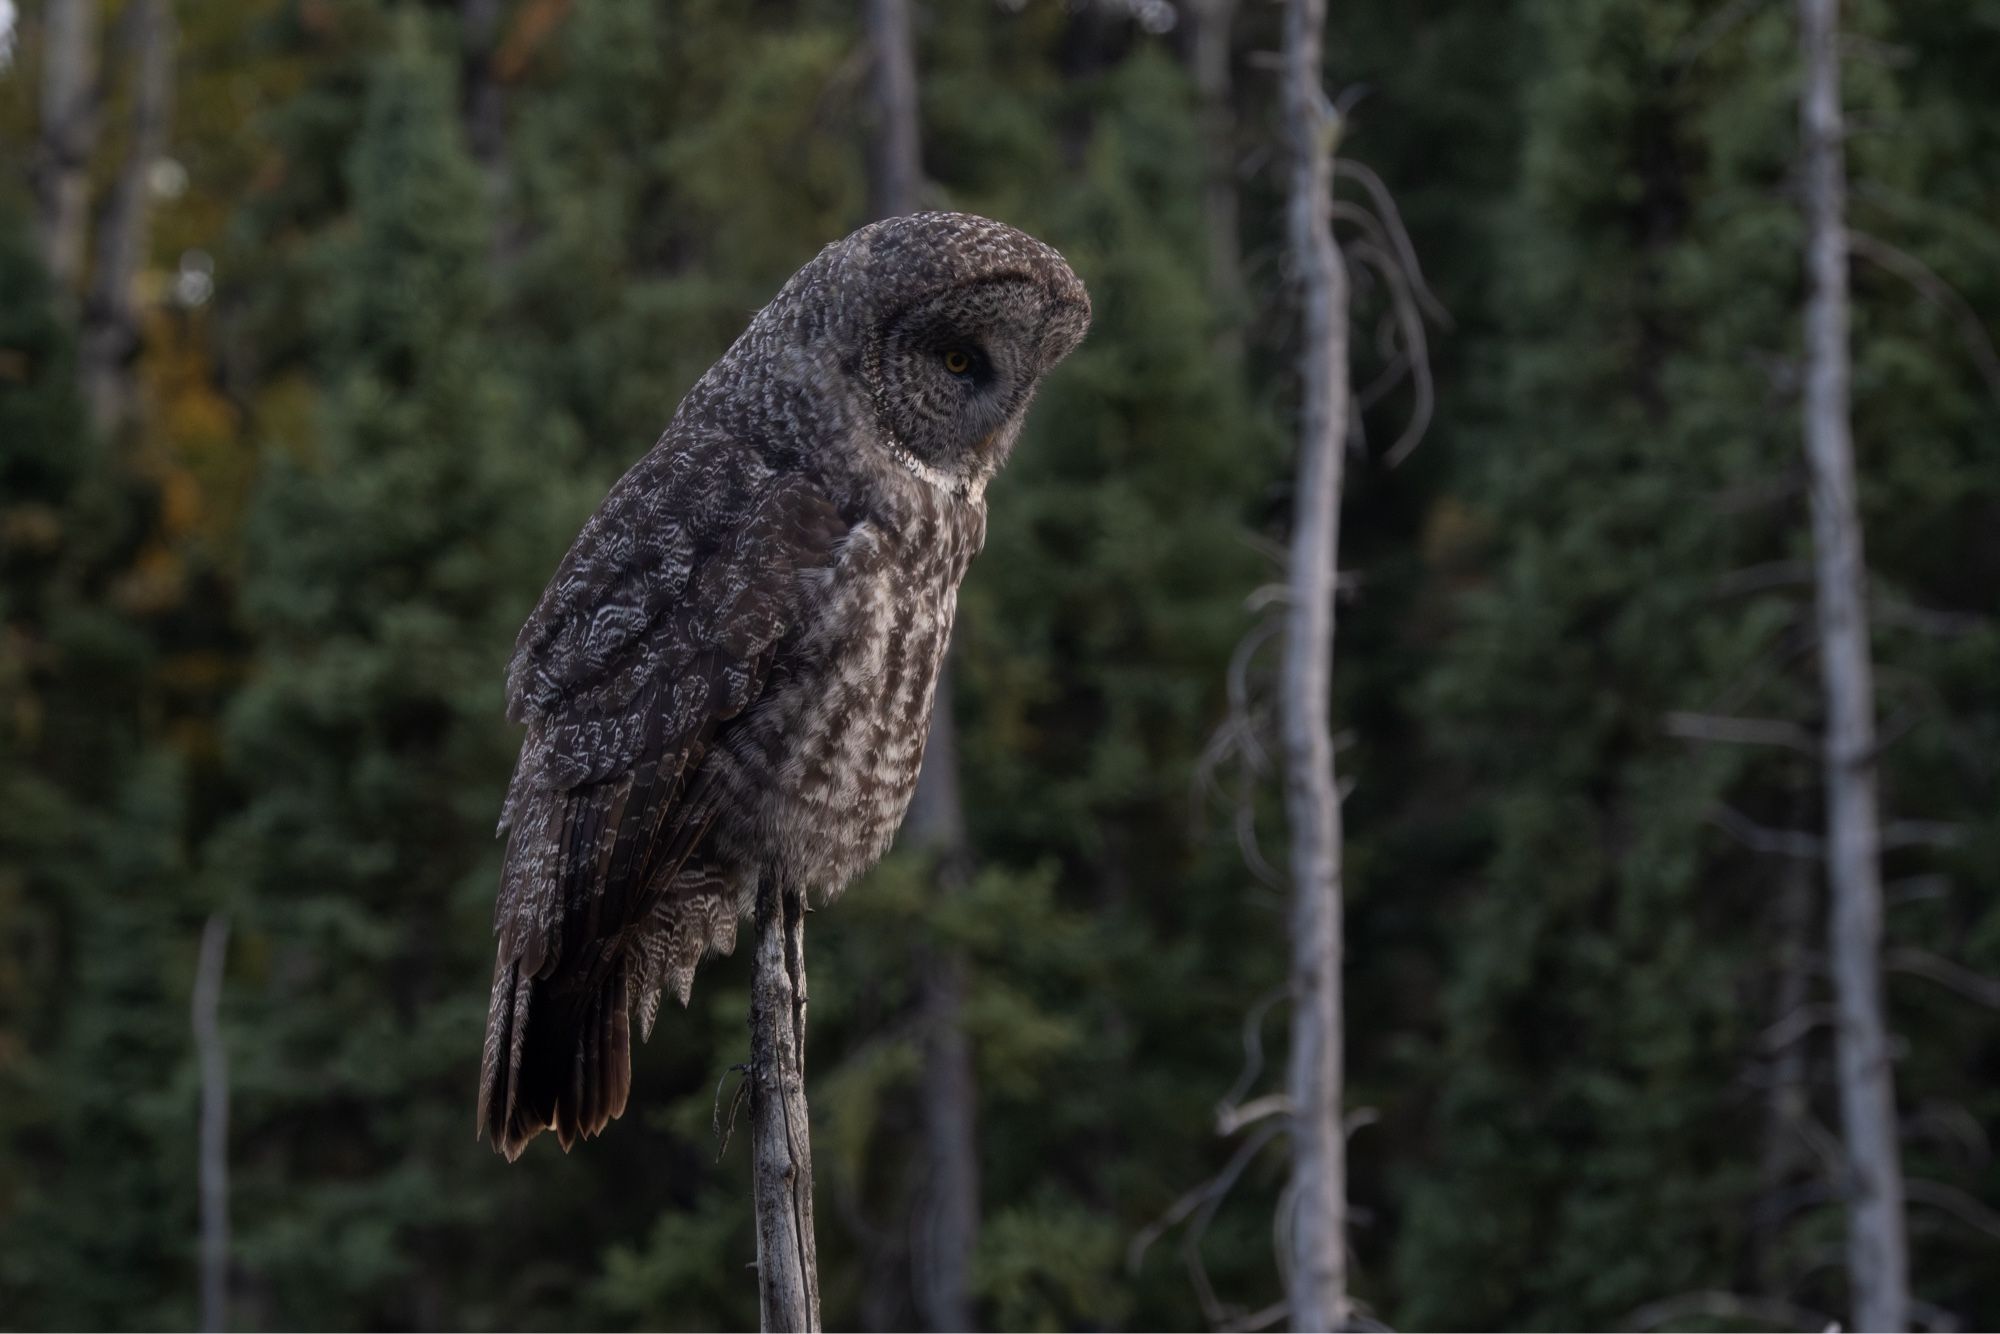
column 1711, row 1305
column 1758, row 838
column 1793, row 645
column 1891, row 609
column 1263, row 1319
column 720, row 1126
column 1253, row 1052
column 1200, row 1204
column 1253, row 851
column 1971, row 329
column 1240, row 735
column 1825, row 1146
column 1796, row 1025
column 1416, row 350
column 1232, row 1119
column 1391, row 220
column 1918, row 889
column 1954, row 1126
column 1742, row 731
column 1955, row 1202
column 1922, row 834
column 1934, row 1317
column 1873, row 51
column 1239, row 686
column 1765, row 577
column 1974, row 986
column 781, row 1148
column 1393, row 373
column 1755, row 493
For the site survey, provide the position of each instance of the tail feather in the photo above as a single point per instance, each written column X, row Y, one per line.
column 551, row 1065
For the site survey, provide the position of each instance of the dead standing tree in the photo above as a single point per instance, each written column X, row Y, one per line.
column 1313, row 1254
column 786, row 1251
column 781, row 1139
column 68, row 136
column 1877, row 1257
column 112, row 315
column 1210, row 23
column 1376, row 265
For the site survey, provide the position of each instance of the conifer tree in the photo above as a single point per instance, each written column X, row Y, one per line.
column 1596, row 1016
column 91, row 876
column 391, row 555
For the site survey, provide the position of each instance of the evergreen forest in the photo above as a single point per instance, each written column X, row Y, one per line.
column 324, row 324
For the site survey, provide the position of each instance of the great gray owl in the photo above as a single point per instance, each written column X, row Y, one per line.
column 730, row 676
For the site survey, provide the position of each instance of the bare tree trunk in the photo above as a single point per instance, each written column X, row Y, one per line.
column 944, row 1221
column 68, row 135
column 1877, row 1258
column 111, row 316
column 213, row 1134
column 895, row 160
column 781, row 1149
column 1209, row 56
column 1315, row 1250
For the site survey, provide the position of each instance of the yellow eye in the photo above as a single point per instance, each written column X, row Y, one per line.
column 957, row 362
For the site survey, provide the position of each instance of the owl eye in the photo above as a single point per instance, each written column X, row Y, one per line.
column 958, row 361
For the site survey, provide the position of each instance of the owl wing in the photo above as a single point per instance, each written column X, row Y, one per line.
column 660, row 624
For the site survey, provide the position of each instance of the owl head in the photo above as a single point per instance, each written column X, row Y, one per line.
column 925, row 335
column 961, row 318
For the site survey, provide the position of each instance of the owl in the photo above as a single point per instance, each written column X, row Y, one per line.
column 729, row 679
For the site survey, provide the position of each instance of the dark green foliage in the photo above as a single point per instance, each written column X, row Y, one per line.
column 1600, row 1125
column 1561, row 970
column 1606, row 987
column 390, row 556
column 92, row 886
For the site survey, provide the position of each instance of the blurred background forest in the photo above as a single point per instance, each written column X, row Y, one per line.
column 328, row 323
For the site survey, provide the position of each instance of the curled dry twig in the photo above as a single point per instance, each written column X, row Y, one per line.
column 1934, row 289
column 1385, row 249
column 722, row 1127
column 1727, row 1306
column 1253, row 1056
column 1198, row 1208
column 1415, row 351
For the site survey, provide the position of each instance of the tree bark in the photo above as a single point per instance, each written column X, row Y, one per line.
column 895, row 162
column 212, row 1136
column 68, row 136
column 781, row 1151
column 1316, row 1236
column 944, row 1226
column 111, row 316
column 1877, row 1256
column 944, row 1221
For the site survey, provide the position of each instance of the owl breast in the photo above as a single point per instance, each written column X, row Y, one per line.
column 838, row 736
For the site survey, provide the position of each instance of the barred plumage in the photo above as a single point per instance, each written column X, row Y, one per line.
column 730, row 676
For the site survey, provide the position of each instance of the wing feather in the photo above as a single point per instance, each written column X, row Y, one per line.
column 660, row 625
